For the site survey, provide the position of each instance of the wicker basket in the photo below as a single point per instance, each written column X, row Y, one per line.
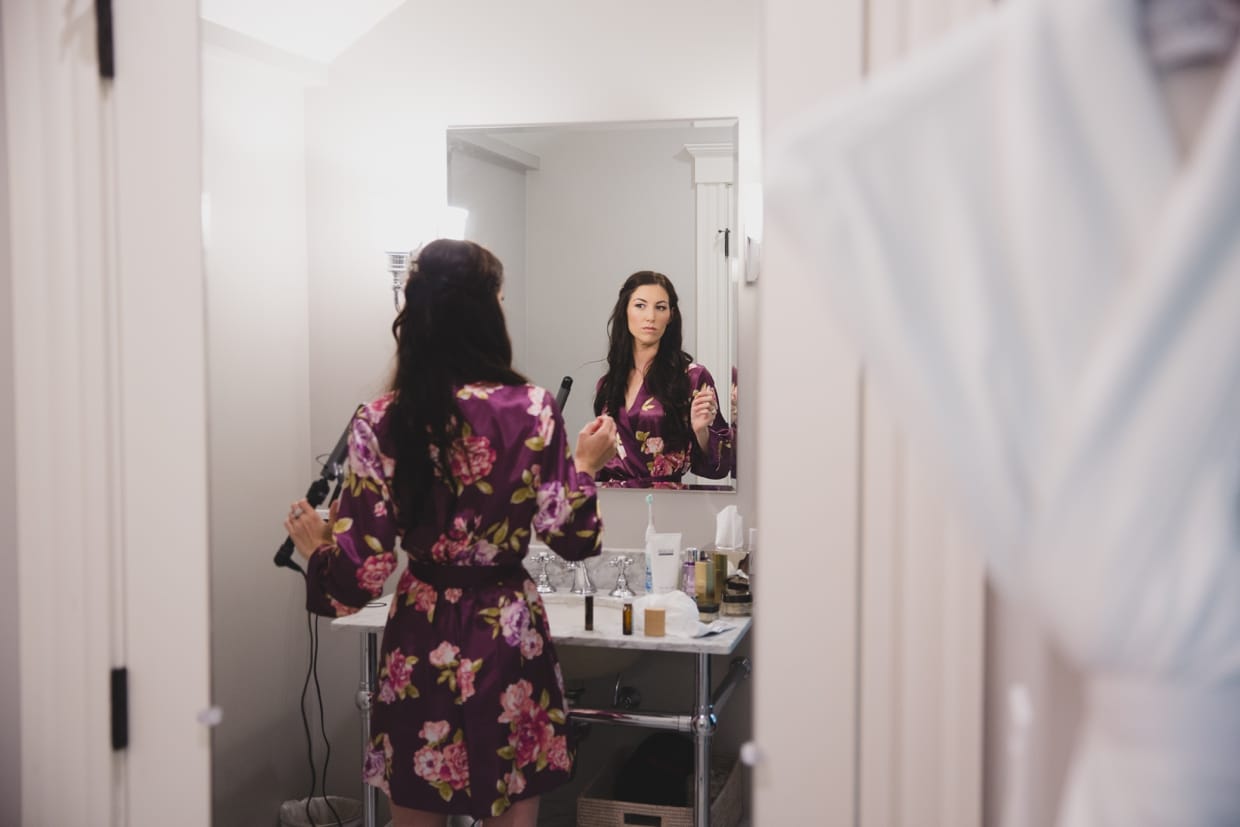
column 594, row 809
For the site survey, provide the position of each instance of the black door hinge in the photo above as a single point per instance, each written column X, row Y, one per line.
column 120, row 708
column 103, row 30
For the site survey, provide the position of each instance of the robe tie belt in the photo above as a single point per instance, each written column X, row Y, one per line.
column 467, row 577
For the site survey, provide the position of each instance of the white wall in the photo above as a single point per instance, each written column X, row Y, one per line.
column 10, row 684
column 261, row 456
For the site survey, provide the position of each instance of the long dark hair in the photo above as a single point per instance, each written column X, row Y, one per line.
column 666, row 379
column 450, row 332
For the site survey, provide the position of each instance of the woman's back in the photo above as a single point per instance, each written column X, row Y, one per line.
column 470, row 713
column 503, row 466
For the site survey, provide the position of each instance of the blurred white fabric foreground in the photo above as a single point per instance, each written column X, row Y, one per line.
column 1040, row 275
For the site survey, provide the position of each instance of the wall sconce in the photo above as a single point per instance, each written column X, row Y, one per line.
column 398, row 266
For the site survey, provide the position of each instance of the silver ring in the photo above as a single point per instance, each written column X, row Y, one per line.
column 296, row 513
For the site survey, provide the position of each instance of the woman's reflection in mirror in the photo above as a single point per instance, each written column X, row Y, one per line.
column 665, row 405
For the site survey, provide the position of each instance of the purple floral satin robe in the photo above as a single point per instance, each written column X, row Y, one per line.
column 470, row 713
column 649, row 460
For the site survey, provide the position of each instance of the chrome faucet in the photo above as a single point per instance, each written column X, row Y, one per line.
column 543, row 584
column 581, row 578
column 622, row 589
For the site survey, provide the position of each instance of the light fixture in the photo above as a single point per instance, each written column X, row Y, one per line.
column 450, row 222
column 398, row 266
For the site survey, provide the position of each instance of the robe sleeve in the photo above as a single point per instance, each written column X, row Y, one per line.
column 567, row 518
column 345, row 575
column 717, row 460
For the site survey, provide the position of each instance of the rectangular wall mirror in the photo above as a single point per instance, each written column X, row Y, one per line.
column 572, row 210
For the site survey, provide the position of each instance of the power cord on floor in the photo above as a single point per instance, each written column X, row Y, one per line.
column 312, row 627
column 318, row 693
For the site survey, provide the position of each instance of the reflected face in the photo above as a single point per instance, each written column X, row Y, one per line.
column 649, row 313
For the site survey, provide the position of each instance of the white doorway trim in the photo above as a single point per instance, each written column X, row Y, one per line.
column 109, row 390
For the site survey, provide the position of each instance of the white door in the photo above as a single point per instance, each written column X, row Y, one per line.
column 105, row 268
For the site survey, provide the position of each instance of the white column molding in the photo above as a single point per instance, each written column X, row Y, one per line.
column 713, row 163
column 714, row 174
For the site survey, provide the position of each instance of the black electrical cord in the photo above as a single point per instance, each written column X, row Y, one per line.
column 318, row 691
column 305, row 722
column 283, row 558
column 312, row 627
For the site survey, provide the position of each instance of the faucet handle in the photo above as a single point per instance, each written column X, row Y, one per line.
column 543, row 583
column 621, row 562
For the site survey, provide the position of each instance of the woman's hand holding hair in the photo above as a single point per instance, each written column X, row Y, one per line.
column 595, row 444
column 702, row 413
column 306, row 528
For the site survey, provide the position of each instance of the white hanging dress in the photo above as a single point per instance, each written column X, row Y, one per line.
column 1007, row 226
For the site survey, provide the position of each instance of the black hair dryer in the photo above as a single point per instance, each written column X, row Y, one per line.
column 333, row 470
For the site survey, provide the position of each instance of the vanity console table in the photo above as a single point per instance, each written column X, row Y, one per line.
column 565, row 615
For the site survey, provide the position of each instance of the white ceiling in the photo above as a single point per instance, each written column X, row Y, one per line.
column 317, row 30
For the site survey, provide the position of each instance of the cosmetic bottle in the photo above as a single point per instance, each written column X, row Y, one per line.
column 708, row 611
column 650, row 532
column 688, row 577
column 737, row 604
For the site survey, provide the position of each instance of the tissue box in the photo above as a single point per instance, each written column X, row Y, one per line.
column 595, row 807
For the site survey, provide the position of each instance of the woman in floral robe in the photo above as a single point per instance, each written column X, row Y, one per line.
column 470, row 716
column 665, row 405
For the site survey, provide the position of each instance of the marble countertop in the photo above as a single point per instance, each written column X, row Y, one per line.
column 566, row 617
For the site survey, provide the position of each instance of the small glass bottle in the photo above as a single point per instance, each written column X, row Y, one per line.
column 688, row 571
column 627, row 620
column 589, row 613
column 688, row 577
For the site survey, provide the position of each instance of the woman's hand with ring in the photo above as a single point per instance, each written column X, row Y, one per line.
column 307, row 529
column 702, row 411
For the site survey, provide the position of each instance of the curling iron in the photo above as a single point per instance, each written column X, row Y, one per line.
column 561, row 396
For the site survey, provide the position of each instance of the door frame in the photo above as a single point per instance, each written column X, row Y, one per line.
column 109, row 391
